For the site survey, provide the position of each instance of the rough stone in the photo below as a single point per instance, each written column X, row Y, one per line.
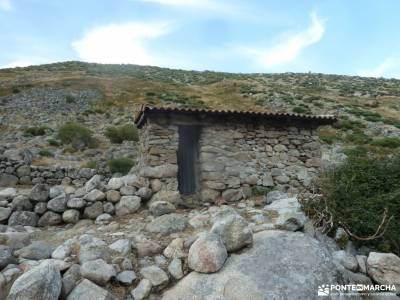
column 49, row 218
column 207, row 254
column 21, row 202
column 126, row 277
column 41, row 282
column 384, row 268
column 5, row 213
column 158, row 208
column 58, row 204
column 93, row 211
column 40, row 192
column 94, row 195
column 7, row 194
column 127, row 205
column 175, row 268
column 156, row 275
column 234, row 232
column 346, row 260
column 167, row 224
column 71, row 216
column 89, row 291
column 142, row 290
column 98, row 271
column 76, row 203
column 113, row 196
column 24, row 218
column 37, row 250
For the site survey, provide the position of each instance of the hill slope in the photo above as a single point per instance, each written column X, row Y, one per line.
column 98, row 95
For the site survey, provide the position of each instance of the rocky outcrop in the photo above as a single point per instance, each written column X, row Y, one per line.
column 276, row 267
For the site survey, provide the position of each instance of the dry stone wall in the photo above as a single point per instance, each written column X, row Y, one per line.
column 13, row 172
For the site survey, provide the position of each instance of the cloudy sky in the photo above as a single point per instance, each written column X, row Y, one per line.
column 357, row 37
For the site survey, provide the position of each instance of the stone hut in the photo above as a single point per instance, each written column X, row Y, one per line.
column 203, row 155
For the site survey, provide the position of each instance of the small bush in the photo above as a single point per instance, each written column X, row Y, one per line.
column 357, row 193
column 301, row 110
column 70, row 99
column 46, row 153
column 15, row 90
column 358, row 137
column 387, row 142
column 76, row 135
column 35, row 131
column 53, row 142
column 120, row 165
column 260, row 190
column 126, row 132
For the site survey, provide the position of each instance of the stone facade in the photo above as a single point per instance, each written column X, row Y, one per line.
column 235, row 156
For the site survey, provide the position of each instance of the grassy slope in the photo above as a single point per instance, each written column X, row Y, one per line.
column 363, row 99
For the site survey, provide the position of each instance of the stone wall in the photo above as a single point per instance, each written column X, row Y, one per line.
column 14, row 172
column 234, row 157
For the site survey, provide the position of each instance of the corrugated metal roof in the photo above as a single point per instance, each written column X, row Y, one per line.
column 140, row 116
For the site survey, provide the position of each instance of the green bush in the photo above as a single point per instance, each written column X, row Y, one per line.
column 53, row 142
column 387, row 142
column 260, row 190
column 357, row 193
column 90, row 165
column 70, row 99
column 301, row 110
column 119, row 134
column 46, row 153
column 35, row 131
column 120, row 165
column 76, row 135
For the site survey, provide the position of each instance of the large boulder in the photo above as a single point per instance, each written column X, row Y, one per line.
column 115, row 184
column 5, row 213
column 94, row 195
column 207, row 254
column 279, row 265
column 384, row 268
column 93, row 211
column 24, row 218
column 21, row 202
column 167, row 224
column 234, row 231
column 156, row 275
column 41, row 282
column 89, row 291
column 93, row 183
column 127, row 205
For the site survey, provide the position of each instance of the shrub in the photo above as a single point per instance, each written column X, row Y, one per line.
column 120, row 165
column 53, row 142
column 358, row 137
column 260, row 190
column 70, row 99
column 90, row 165
column 76, row 135
column 387, row 142
column 119, row 134
column 35, row 131
column 301, row 110
column 46, row 153
column 356, row 195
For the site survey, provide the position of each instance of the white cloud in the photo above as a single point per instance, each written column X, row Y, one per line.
column 211, row 5
column 120, row 43
column 289, row 48
column 387, row 68
column 5, row 5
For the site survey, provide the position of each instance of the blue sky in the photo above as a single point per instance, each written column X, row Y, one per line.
column 357, row 37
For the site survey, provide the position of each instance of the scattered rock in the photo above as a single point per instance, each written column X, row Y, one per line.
column 89, row 291
column 115, row 184
column 142, row 290
column 122, row 246
column 7, row 194
column 94, row 195
column 93, row 211
column 175, row 268
column 156, row 275
column 93, row 183
column 70, row 279
column 71, row 216
column 5, row 213
column 286, row 214
column 207, row 254
column 58, row 204
column 126, row 277
column 167, row 224
column 175, row 249
column 346, row 260
column 113, row 196
column 76, row 203
column 98, row 271
column 37, row 250
column 21, row 202
column 6, row 256
column 158, row 208
column 234, row 232
column 275, row 195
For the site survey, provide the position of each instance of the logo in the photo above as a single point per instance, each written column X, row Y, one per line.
column 323, row 290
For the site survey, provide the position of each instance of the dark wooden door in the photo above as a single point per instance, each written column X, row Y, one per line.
column 187, row 159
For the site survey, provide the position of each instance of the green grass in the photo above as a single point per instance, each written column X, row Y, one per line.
column 387, row 142
column 35, row 131
column 46, row 153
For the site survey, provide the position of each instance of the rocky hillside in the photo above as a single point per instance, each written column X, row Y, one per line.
column 102, row 95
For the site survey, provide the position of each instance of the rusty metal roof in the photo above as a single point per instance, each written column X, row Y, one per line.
column 140, row 115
